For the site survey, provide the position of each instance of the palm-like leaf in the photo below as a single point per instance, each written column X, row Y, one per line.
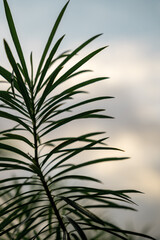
column 36, row 203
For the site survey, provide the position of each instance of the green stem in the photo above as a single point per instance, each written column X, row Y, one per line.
column 46, row 188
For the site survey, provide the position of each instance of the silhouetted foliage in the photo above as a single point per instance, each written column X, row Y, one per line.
column 41, row 201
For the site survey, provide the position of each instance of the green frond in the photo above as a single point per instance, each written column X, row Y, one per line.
column 50, row 39
column 44, row 193
column 16, row 40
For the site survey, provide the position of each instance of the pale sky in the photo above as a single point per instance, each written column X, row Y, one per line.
column 132, row 61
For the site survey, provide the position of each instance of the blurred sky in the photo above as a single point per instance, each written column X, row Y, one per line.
column 132, row 61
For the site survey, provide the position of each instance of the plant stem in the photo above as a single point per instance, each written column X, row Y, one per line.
column 46, row 188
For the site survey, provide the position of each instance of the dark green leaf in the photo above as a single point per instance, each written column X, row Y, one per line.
column 77, row 228
column 12, row 102
column 47, row 89
column 83, row 210
column 63, row 121
column 47, row 64
column 78, row 177
column 15, row 39
column 75, row 67
column 52, row 34
column 15, row 119
column 14, row 150
column 18, row 137
column 20, row 82
column 89, row 163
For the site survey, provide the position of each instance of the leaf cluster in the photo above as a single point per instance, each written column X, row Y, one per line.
column 41, row 201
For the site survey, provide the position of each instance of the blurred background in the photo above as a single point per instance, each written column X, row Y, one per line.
column 132, row 61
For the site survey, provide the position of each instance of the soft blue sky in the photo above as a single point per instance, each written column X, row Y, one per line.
column 131, row 29
column 119, row 20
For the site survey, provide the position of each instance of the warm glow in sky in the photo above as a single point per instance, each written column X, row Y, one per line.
column 132, row 61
